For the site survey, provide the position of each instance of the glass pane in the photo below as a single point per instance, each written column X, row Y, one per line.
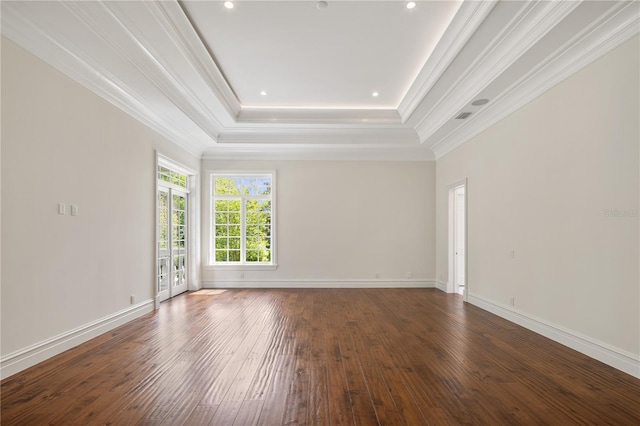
column 220, row 186
column 252, row 255
column 234, row 255
column 221, row 255
column 222, row 205
column 250, row 186
column 253, row 231
column 265, row 256
column 222, row 230
column 234, row 205
column 222, row 243
column 234, row 218
column 263, row 185
column 251, row 218
column 234, row 243
column 234, row 230
column 222, row 218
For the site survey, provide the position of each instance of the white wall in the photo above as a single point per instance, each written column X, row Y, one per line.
column 63, row 144
column 539, row 183
column 338, row 223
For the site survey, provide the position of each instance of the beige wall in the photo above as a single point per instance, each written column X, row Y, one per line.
column 539, row 183
column 63, row 144
column 341, row 221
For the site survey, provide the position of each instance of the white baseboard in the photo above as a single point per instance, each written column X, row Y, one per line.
column 615, row 357
column 441, row 285
column 321, row 283
column 17, row 361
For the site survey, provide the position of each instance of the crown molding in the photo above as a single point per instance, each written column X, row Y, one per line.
column 613, row 29
column 92, row 75
column 270, row 152
column 532, row 21
column 396, row 137
column 178, row 26
column 133, row 45
column 318, row 116
column 465, row 23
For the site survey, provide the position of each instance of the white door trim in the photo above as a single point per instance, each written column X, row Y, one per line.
column 451, row 286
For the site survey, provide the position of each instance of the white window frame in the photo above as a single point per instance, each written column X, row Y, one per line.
column 239, row 266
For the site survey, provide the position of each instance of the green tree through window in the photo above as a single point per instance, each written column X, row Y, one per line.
column 242, row 219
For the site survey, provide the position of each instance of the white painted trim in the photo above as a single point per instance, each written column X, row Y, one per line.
column 93, row 76
column 464, row 24
column 314, row 116
column 450, row 286
column 576, row 54
column 392, row 136
column 610, row 355
column 525, row 29
column 318, row 152
column 442, row 286
column 176, row 24
column 322, row 283
column 24, row 358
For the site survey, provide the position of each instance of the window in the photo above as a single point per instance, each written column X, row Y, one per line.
column 165, row 174
column 242, row 222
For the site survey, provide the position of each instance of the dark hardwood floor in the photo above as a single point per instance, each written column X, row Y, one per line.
column 320, row 356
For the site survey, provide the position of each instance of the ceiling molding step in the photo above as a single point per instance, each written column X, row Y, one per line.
column 362, row 137
column 319, row 153
column 32, row 38
column 178, row 26
column 135, row 48
column 318, row 116
column 532, row 21
column 591, row 44
column 464, row 25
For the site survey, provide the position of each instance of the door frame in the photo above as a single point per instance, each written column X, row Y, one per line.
column 451, row 285
column 193, row 217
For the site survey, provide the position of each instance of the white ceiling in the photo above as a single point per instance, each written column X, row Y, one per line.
column 193, row 70
column 305, row 57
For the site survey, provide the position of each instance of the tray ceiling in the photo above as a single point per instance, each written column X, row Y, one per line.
column 289, row 79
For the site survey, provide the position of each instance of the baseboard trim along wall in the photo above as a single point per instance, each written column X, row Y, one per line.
column 321, row 283
column 612, row 356
column 442, row 286
column 19, row 360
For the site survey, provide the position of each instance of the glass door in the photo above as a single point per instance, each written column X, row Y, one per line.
column 178, row 243
column 163, row 245
column 172, row 244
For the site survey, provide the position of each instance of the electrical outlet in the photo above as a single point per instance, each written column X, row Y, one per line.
column 512, row 301
column 377, row 274
column 408, row 274
column 132, row 299
column 513, row 254
column 241, row 275
column 61, row 208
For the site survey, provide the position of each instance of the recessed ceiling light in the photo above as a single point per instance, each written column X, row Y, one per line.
column 411, row 5
column 480, row 102
column 263, row 93
column 375, row 94
column 228, row 4
column 322, row 4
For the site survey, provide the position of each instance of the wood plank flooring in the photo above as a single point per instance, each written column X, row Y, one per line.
column 320, row 356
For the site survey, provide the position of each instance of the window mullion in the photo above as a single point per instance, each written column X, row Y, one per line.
column 243, row 230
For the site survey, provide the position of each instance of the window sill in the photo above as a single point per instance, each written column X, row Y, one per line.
column 244, row 267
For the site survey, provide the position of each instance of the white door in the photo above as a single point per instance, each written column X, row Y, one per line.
column 172, row 243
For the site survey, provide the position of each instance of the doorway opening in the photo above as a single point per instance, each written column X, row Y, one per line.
column 458, row 239
column 173, row 228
